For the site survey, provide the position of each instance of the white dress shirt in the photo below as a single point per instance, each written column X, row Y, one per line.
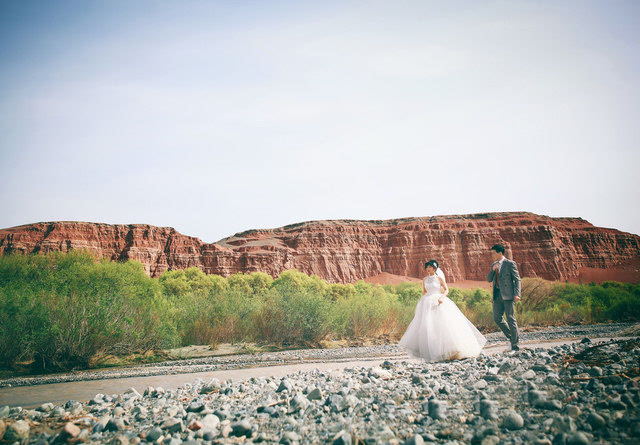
column 500, row 263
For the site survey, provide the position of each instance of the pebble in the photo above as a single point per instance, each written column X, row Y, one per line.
column 341, row 438
column 489, row 409
column 71, row 430
column 114, row 425
column 577, row 438
column 17, row 431
column 299, row 402
column 512, row 420
column 154, row 434
column 573, row 411
column 595, row 371
column 285, row 385
column 437, row 409
column 195, row 407
column 242, row 428
column 210, row 421
column 314, row 394
column 414, row 440
column 290, row 437
column 563, row 424
column 596, row 421
column 172, row 425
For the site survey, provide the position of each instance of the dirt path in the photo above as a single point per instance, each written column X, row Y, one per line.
column 32, row 396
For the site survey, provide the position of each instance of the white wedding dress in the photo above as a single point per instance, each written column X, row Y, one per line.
column 440, row 331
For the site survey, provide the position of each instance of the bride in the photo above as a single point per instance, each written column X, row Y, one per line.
column 439, row 330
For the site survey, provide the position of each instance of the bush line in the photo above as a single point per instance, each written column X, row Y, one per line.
column 63, row 311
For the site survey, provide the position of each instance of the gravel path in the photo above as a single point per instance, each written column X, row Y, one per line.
column 576, row 393
column 217, row 363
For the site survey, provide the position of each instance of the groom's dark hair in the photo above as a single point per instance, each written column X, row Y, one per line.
column 498, row 248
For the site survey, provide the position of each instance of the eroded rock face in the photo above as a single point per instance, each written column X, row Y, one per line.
column 157, row 248
column 347, row 250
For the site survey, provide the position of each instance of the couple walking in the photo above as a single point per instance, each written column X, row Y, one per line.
column 440, row 331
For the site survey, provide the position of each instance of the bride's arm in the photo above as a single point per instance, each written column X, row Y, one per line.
column 446, row 290
column 424, row 289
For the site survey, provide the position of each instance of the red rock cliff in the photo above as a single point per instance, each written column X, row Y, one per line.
column 348, row 250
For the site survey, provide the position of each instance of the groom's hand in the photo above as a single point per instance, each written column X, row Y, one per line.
column 495, row 267
column 516, row 298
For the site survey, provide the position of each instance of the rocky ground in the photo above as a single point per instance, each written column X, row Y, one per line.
column 570, row 394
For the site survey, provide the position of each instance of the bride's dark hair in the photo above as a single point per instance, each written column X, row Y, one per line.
column 432, row 263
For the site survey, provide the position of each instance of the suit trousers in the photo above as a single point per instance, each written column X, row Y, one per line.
column 507, row 308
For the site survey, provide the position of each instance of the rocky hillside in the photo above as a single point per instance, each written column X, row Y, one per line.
column 349, row 250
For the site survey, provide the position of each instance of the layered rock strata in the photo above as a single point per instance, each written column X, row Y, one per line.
column 345, row 251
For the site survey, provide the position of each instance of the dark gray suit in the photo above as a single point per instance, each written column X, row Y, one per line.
column 505, row 287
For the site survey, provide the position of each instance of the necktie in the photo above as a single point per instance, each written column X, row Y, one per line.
column 498, row 277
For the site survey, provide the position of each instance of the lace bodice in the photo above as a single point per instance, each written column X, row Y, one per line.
column 432, row 285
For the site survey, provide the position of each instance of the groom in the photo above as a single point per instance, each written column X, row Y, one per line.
column 506, row 292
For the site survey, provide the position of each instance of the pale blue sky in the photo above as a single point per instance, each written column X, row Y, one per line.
column 218, row 117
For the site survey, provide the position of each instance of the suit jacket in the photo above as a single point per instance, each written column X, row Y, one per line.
column 509, row 279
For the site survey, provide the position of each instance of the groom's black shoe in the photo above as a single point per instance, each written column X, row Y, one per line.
column 515, row 348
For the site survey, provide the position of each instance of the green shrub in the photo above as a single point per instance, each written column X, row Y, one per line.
column 61, row 311
column 371, row 311
column 292, row 318
column 67, row 309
